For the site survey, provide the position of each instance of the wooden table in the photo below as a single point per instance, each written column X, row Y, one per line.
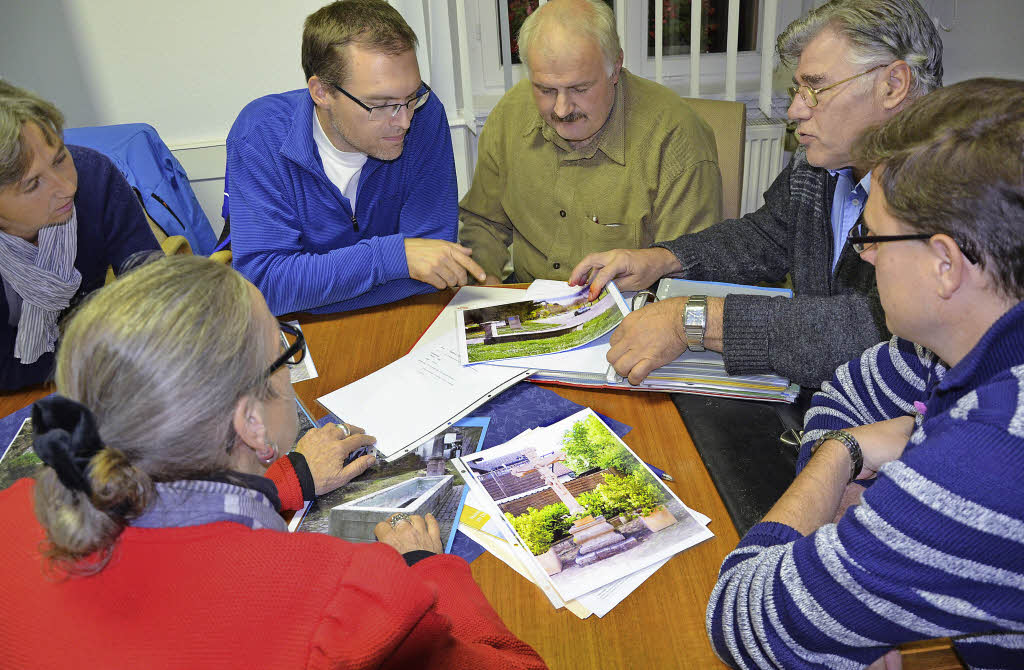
column 661, row 624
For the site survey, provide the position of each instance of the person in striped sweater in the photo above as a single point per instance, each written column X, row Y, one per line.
column 933, row 420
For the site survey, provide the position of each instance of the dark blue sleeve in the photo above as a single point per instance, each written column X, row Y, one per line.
column 13, row 374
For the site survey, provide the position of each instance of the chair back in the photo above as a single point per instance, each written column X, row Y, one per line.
column 156, row 175
column 728, row 120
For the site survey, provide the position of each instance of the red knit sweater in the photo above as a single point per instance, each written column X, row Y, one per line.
column 223, row 596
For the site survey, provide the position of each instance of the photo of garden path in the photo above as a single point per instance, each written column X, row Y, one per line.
column 517, row 329
column 430, row 458
column 19, row 460
column 583, row 504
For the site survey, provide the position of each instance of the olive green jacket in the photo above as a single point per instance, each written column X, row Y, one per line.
column 652, row 175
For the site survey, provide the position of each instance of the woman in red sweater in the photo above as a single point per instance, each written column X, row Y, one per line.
column 153, row 540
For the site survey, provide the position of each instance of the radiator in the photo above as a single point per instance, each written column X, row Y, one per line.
column 762, row 160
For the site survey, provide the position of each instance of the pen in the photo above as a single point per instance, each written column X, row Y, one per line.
column 661, row 473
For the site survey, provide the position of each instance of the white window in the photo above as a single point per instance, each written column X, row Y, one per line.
column 636, row 23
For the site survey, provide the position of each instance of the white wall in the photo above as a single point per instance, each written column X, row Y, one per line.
column 189, row 66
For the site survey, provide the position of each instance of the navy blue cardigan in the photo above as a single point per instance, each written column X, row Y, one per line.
column 111, row 228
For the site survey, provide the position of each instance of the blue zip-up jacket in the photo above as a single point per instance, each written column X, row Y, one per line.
column 293, row 233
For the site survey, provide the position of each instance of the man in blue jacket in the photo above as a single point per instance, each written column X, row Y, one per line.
column 343, row 194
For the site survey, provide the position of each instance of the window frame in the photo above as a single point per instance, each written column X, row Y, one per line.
column 488, row 72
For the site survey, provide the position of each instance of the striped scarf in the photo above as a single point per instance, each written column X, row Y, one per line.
column 45, row 277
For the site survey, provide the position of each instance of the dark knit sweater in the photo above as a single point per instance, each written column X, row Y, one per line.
column 111, row 230
column 831, row 319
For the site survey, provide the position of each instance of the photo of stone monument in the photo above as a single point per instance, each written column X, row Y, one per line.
column 582, row 504
column 422, row 481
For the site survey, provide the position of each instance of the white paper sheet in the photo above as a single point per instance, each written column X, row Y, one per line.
column 599, row 601
column 416, row 396
column 575, row 581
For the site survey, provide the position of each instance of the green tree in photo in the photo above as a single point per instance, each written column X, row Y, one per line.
column 636, row 494
column 589, row 444
column 540, row 528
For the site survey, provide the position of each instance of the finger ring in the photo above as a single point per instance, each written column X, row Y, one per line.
column 394, row 519
column 343, row 427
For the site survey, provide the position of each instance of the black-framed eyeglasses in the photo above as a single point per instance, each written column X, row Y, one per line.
column 861, row 240
column 810, row 95
column 294, row 348
column 385, row 112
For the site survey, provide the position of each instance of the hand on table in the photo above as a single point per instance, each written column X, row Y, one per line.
column 440, row 263
column 653, row 336
column 882, row 442
column 412, row 534
column 632, row 269
column 491, row 280
column 325, row 450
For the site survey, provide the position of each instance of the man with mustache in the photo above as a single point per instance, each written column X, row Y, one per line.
column 858, row 63
column 343, row 194
column 584, row 156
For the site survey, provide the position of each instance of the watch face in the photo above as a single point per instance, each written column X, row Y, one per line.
column 694, row 315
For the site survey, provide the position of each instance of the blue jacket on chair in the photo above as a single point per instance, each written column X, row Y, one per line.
column 150, row 168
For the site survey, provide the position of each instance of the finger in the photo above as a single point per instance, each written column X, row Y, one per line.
column 640, row 370
column 418, row 524
column 353, row 430
column 433, row 528
column 436, row 281
column 356, row 442
column 579, row 274
column 470, row 265
column 382, row 530
column 356, row 468
column 598, row 281
column 449, row 271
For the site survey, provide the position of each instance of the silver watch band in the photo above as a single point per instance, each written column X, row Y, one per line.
column 695, row 321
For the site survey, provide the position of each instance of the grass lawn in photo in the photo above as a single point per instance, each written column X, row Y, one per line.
column 510, row 330
column 19, row 460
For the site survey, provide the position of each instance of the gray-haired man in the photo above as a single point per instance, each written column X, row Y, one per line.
column 858, row 63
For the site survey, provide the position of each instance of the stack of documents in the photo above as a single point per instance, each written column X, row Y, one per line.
column 693, row 372
column 449, row 372
column 428, row 388
column 572, row 509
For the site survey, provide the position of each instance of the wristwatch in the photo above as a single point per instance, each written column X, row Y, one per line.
column 695, row 321
column 852, row 446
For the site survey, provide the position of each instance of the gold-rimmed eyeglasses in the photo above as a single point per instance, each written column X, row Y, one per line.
column 810, row 95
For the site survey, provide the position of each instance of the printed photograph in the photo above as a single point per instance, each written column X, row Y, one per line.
column 306, row 369
column 582, row 503
column 422, row 481
column 533, row 327
column 19, row 460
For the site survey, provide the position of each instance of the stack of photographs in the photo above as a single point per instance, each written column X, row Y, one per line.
column 577, row 508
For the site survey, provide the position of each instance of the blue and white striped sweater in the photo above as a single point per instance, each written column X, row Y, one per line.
column 935, row 549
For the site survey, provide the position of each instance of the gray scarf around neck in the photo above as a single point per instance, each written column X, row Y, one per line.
column 45, row 277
